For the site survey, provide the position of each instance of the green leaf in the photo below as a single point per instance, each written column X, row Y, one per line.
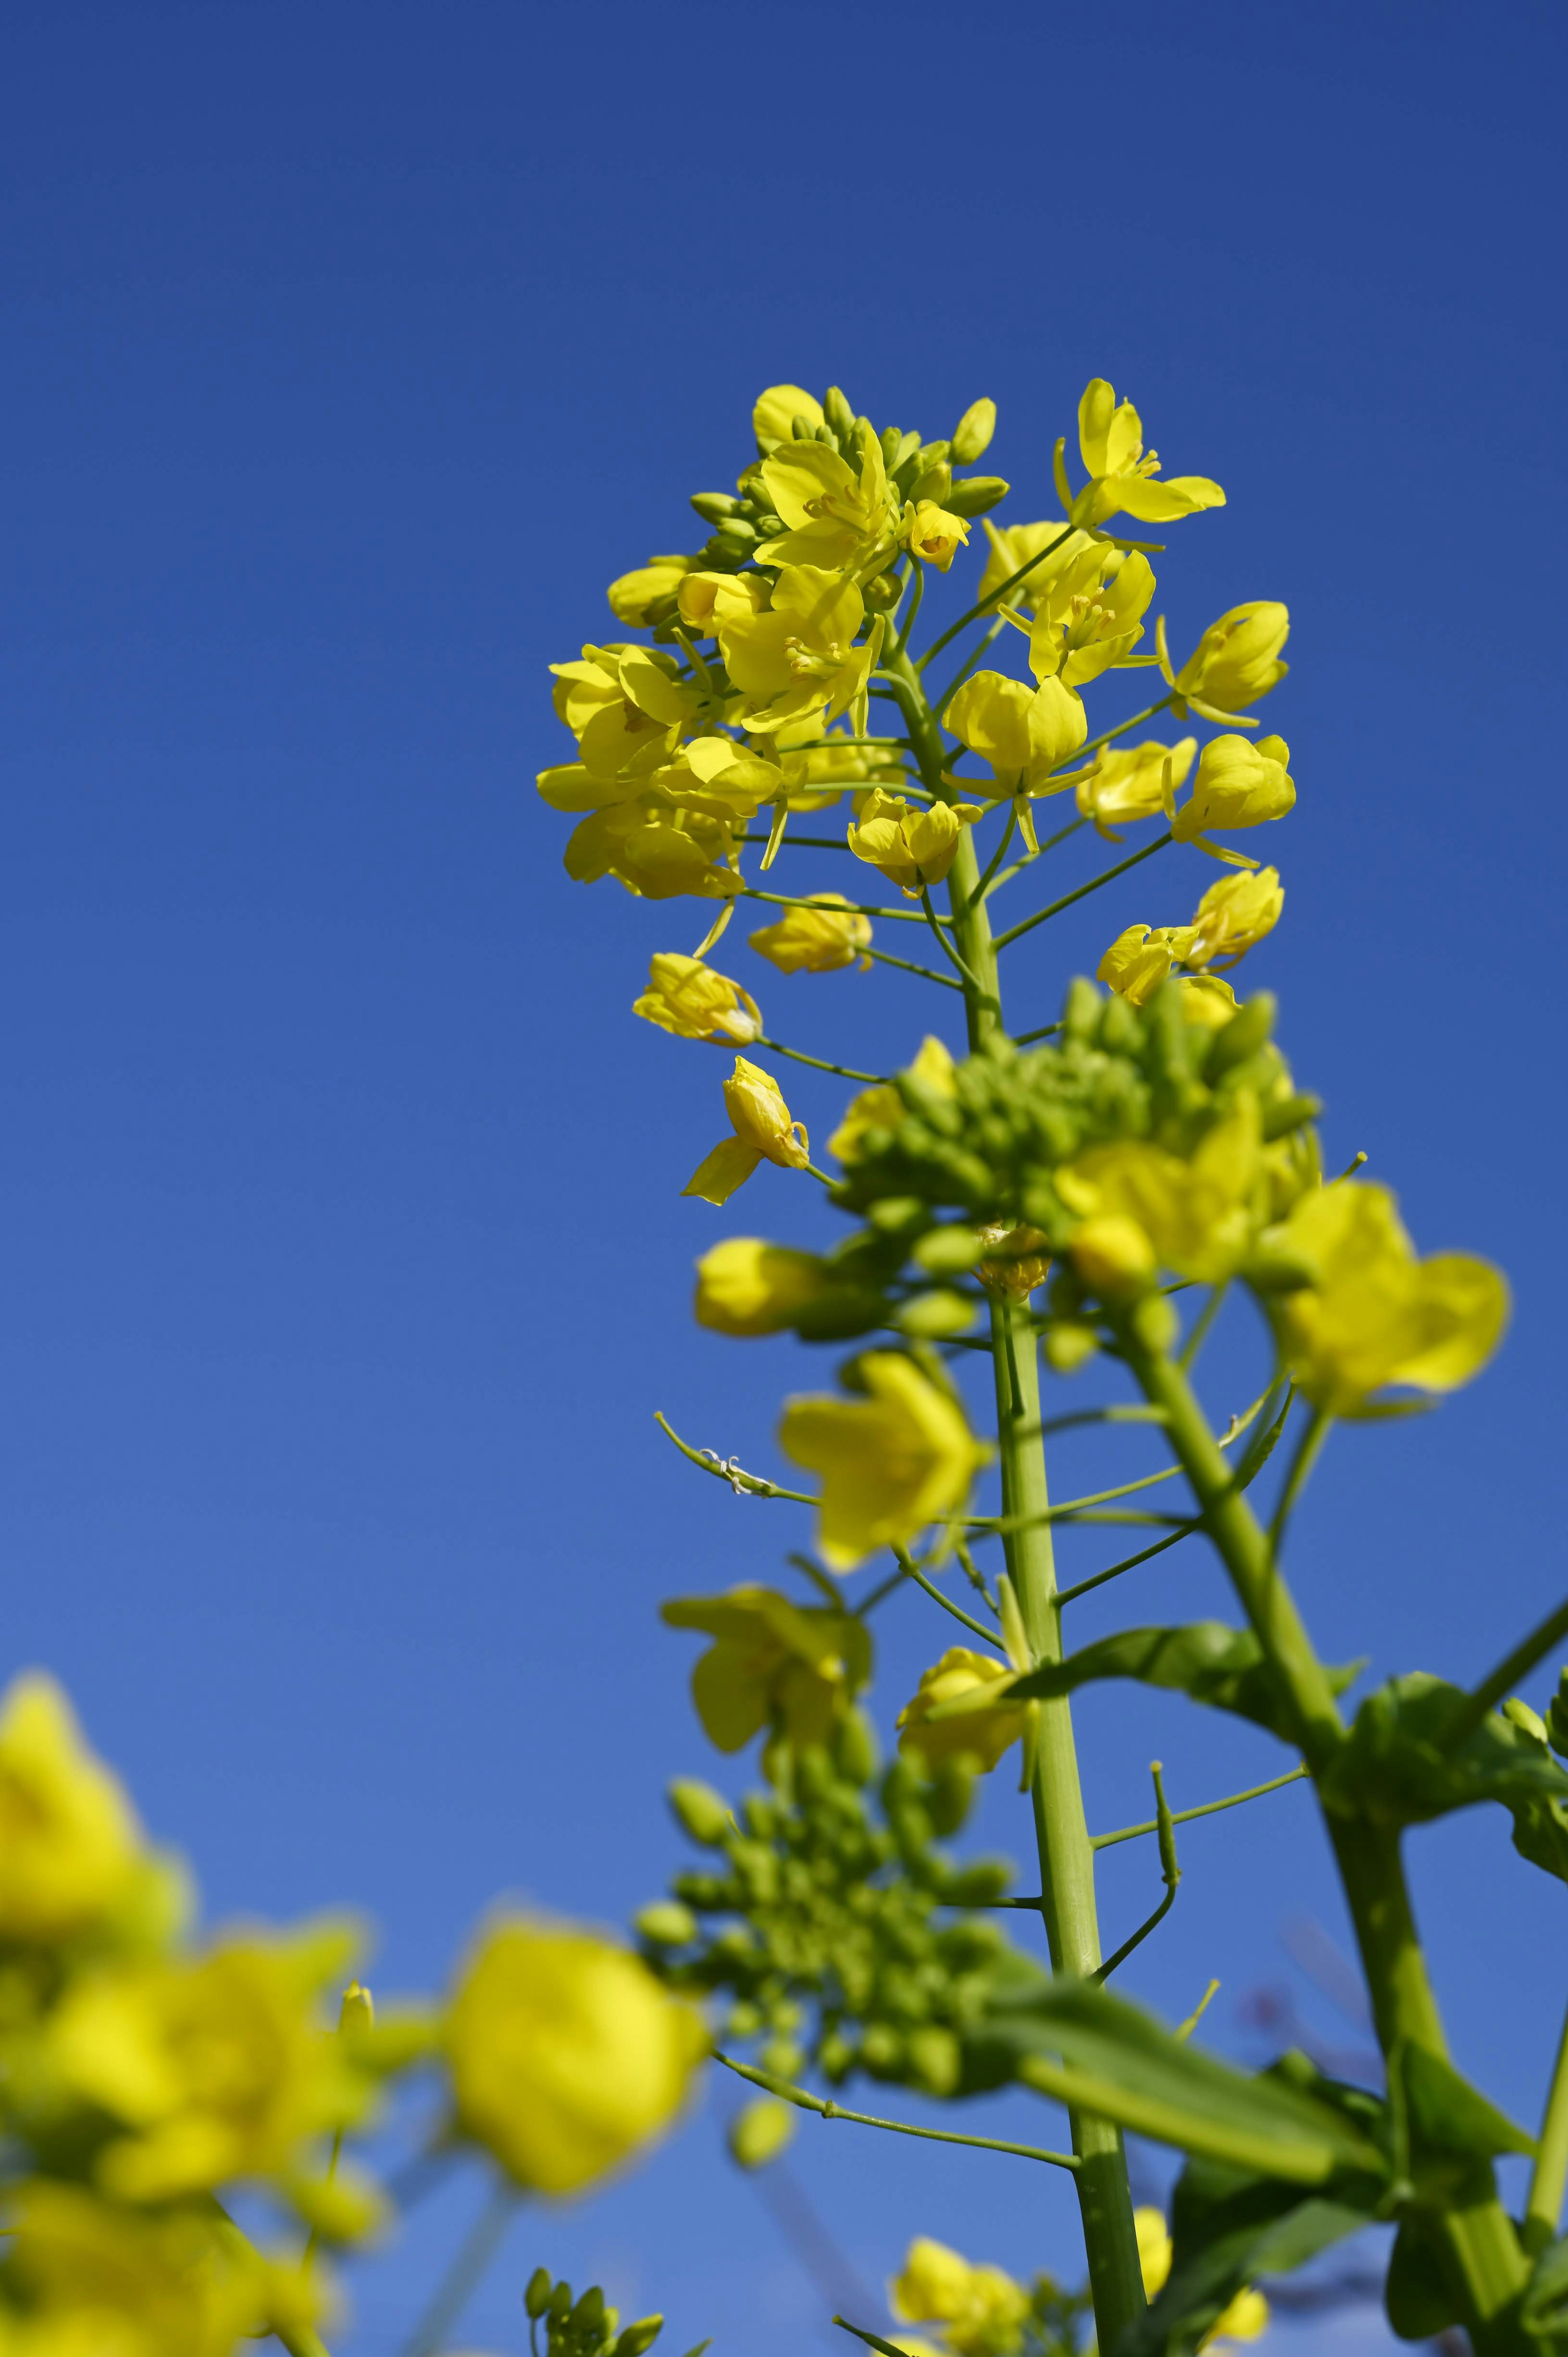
column 1395, row 1766
column 1205, row 1659
column 1449, row 2115
column 1416, row 2297
column 1077, row 2042
column 1543, row 2311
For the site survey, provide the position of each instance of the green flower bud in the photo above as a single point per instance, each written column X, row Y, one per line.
column 932, row 1316
column 882, row 593
column 714, row 506
column 1067, row 1344
column 1155, row 1321
column 971, row 434
column 935, row 2060
column 974, row 495
column 838, row 413
column 951, row 1793
column 948, row 1251
column 1242, row 1035
column 589, row 2312
column 638, row 2337
column 666, row 1923
column 1287, row 1114
column 759, row 2133
column 980, row 1883
column 698, row 1811
column 536, row 2299
column 560, row 2306
column 1530, row 1722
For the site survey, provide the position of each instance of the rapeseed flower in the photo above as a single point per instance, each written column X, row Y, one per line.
column 1123, row 480
column 746, row 1286
column 914, row 849
column 891, row 1463
column 800, row 656
column 764, row 1132
column 1234, row 664
column 71, row 1850
column 882, row 1107
column 1238, row 783
column 821, row 939
column 982, row 1736
column 773, row 1664
column 688, row 999
column 1123, row 784
column 1246, row 2318
column 981, row 2309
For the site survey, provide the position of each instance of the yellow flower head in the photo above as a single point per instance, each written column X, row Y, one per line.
column 789, row 1666
column 108, row 2283
column 707, row 600
column 980, row 2307
column 764, row 1132
column 1198, row 1214
column 773, row 418
column 1024, row 736
column 1139, row 960
column 565, row 2053
column 70, row 1849
column 1090, row 616
column 818, row 940
column 1235, row 662
column 655, row 853
column 1121, row 786
column 628, row 708
column 688, row 998
column 882, row 1107
column 984, row 1736
column 1233, row 916
column 912, row 847
column 1121, row 479
column 1015, row 545
column 891, row 1463
column 216, row 2069
column 933, row 535
column 649, row 594
column 1373, row 1313
column 800, row 656
column 840, row 517
column 1237, row 785
column 746, row 1288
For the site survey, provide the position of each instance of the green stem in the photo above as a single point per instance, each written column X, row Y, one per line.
column 840, row 907
column 806, row 2101
column 1067, row 1860
column 907, row 1564
column 462, row 2278
column 1203, row 1808
column 1054, row 907
column 819, row 1063
column 1543, row 2210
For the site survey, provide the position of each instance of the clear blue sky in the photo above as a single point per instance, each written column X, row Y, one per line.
column 349, row 351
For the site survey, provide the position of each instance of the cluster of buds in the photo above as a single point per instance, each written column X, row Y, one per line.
column 585, row 2327
column 819, row 1920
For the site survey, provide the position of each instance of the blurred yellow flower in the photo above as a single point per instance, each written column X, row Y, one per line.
column 746, row 1286
column 764, row 1132
column 1122, row 481
column 565, row 2053
column 774, row 1664
column 108, row 2283
column 984, row 1736
column 1139, row 960
column 1237, row 785
column 1373, row 1313
column 69, row 1847
column 1017, row 1261
column 882, row 1107
column 1234, row 664
column 982, row 2308
column 913, row 848
column 688, row 998
column 1121, row 786
column 891, row 1463
column 821, row 939
column 1199, row 1213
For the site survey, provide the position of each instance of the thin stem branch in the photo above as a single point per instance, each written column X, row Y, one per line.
column 842, row 908
column 908, row 1565
column 969, row 980
column 1202, row 1322
column 1165, row 1826
column 827, row 2110
column 1205, row 1809
column 1131, row 1563
column 1046, row 1032
column 751, row 1485
column 998, row 855
column 994, row 597
column 941, row 703
column 1054, row 907
column 1050, row 843
column 819, row 1063
column 463, row 2278
column 1314, row 1433
column 1508, row 1672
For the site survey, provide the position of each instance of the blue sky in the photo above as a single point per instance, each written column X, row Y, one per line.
column 349, row 351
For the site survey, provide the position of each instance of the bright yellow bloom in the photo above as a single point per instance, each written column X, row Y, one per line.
column 800, row 656
column 775, row 1663
column 1122, row 480
column 933, row 535
column 984, row 1736
column 1373, row 1313
column 891, row 1463
column 1237, row 785
column 1121, row 785
column 649, row 594
column 565, row 2053
column 882, row 1107
column 1090, row 616
column 108, row 2283
column 1246, row 2318
column 912, row 847
column 841, row 518
column 218, row 2069
column 70, row 1851
column 707, row 599
column 764, row 1132
column 818, row 940
column 688, row 998
column 982, row 2308
column 1199, row 1214
column 1113, row 1257
column 627, row 708
column 1233, row 916
column 773, row 418
column 1139, row 960
column 1023, row 737
column 1234, row 664
column 746, row 1286
column 655, row 852
column 1014, row 546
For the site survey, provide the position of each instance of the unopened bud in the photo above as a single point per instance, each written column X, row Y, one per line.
column 640, row 2336
column 948, row 1252
column 1155, row 1323
column 1242, row 1035
column 698, row 1811
column 666, row 1923
column 1067, row 1344
column 560, row 2303
column 971, row 434
column 589, row 2312
column 932, row 1316
column 1530, row 1722
column 1016, row 1263
column 714, row 506
column 1113, row 1257
column 974, row 495
column 882, row 593
column 536, row 2299
column 358, row 2010
column 838, row 413
column 759, row 2133
column 934, row 482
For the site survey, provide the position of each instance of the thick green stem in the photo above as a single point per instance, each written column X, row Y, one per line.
column 1480, row 2250
column 1067, row 1857
column 1544, row 2208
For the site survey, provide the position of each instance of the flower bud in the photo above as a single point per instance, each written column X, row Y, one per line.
column 536, row 2299
column 746, row 1288
column 1067, row 1344
column 714, row 506
column 1237, row 659
column 638, row 2337
column 882, row 594
column 1245, row 1033
column 759, row 2131
column 700, row 1812
column 1017, row 1261
column 1113, row 1257
column 971, row 434
column 974, row 495
column 932, row 1316
column 948, row 1252
column 358, row 2010
column 838, row 413
column 666, row 1923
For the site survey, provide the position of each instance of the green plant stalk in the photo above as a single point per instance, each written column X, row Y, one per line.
column 1543, row 2210
column 1067, row 1857
column 1483, row 2261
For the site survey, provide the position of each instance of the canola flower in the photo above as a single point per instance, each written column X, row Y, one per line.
column 772, row 1664
column 891, row 1463
column 764, row 1132
column 689, row 1000
column 981, row 1739
column 822, row 938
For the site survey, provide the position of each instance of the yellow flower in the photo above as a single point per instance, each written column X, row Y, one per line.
column 1237, row 785
column 218, row 2069
column 1015, row 545
column 1233, row 916
column 1207, row 999
column 70, row 1851
column 818, row 767
column 912, row 847
column 1246, row 2318
column 1199, row 1214
column 1122, row 480
column 764, row 1132
column 1121, row 785
column 818, row 940
column 882, row 1107
column 1017, row 1265
column 655, row 853
column 1090, row 616
column 1023, row 737
column 983, row 1738
column 688, row 998
column 627, row 708
column 108, row 2283
column 565, row 2053
column 1113, row 1257
column 773, row 418
column 775, row 1663
column 840, row 517
column 1139, row 960
column 1234, row 664
column 706, row 599
column 933, row 535
column 746, row 1286
column 982, row 2308
column 649, row 594
column 891, row 1463
column 1373, row 1313
column 800, row 656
